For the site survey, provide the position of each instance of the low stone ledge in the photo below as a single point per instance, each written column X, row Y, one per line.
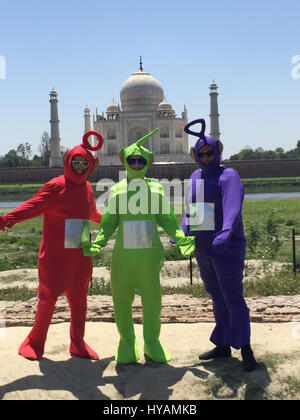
column 175, row 309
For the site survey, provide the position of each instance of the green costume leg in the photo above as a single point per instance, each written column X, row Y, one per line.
column 138, row 253
column 123, row 296
column 151, row 302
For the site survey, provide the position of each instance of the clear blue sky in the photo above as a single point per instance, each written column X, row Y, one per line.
column 87, row 49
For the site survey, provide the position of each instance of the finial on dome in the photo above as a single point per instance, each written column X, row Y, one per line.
column 141, row 63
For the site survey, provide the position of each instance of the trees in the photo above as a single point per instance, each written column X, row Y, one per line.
column 10, row 160
column 22, row 156
column 260, row 153
column 44, row 149
column 24, row 151
column 17, row 158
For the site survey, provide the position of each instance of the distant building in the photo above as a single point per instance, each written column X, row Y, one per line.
column 143, row 108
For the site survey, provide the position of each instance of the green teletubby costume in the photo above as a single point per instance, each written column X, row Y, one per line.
column 138, row 254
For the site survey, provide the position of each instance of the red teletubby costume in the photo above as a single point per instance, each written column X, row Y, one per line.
column 66, row 202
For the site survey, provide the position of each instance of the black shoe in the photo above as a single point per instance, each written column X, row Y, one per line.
column 249, row 362
column 219, row 351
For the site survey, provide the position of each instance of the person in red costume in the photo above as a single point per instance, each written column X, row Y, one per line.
column 67, row 203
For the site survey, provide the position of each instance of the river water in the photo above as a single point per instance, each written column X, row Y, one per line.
column 13, row 204
column 273, row 195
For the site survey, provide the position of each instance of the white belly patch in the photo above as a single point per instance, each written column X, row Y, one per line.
column 76, row 231
column 138, row 234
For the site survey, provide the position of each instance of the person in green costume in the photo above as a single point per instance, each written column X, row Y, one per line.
column 138, row 254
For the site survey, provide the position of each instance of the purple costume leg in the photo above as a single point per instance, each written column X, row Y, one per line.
column 220, row 243
column 222, row 276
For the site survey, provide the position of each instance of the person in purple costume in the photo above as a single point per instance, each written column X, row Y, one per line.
column 220, row 245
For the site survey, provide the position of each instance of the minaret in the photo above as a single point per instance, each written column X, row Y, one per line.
column 87, row 119
column 214, row 112
column 55, row 155
column 87, row 126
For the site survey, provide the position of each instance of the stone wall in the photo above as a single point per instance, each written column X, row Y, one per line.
column 246, row 169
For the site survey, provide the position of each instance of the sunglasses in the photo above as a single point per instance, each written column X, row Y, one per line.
column 85, row 164
column 208, row 154
column 132, row 161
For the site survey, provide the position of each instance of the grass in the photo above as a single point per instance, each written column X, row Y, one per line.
column 281, row 283
column 249, row 183
column 20, row 293
column 18, row 192
column 228, row 382
column 286, row 211
column 259, row 185
column 19, row 246
column 19, row 249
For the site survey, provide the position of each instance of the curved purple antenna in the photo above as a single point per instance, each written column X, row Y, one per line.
column 193, row 133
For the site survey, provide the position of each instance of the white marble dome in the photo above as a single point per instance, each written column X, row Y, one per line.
column 113, row 107
column 141, row 92
column 165, row 105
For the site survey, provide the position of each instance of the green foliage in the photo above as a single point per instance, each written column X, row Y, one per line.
column 263, row 238
column 283, row 282
column 45, row 149
column 261, row 185
column 260, row 153
column 22, row 156
column 267, row 226
column 99, row 287
column 103, row 259
column 10, row 160
column 172, row 253
column 196, row 290
column 24, row 151
column 21, row 293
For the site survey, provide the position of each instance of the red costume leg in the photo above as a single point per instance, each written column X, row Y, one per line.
column 78, row 305
column 33, row 345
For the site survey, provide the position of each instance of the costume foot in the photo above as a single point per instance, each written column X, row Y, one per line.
column 156, row 352
column 83, row 350
column 219, row 351
column 31, row 349
column 127, row 352
column 249, row 362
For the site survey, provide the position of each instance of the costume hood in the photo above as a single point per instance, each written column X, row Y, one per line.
column 202, row 140
column 137, row 149
column 83, row 150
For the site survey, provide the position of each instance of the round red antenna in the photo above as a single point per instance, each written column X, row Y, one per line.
column 87, row 145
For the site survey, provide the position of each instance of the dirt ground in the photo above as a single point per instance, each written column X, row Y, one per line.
column 59, row 376
column 173, row 273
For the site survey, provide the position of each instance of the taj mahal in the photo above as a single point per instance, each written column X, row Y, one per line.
column 143, row 107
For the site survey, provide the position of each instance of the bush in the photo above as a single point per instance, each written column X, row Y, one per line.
column 172, row 253
column 99, row 287
column 21, row 293
column 103, row 259
column 283, row 283
column 263, row 238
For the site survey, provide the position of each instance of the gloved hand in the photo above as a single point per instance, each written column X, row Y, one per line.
column 90, row 249
column 221, row 241
column 186, row 245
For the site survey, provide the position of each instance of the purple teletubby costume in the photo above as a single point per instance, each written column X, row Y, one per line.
column 220, row 242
